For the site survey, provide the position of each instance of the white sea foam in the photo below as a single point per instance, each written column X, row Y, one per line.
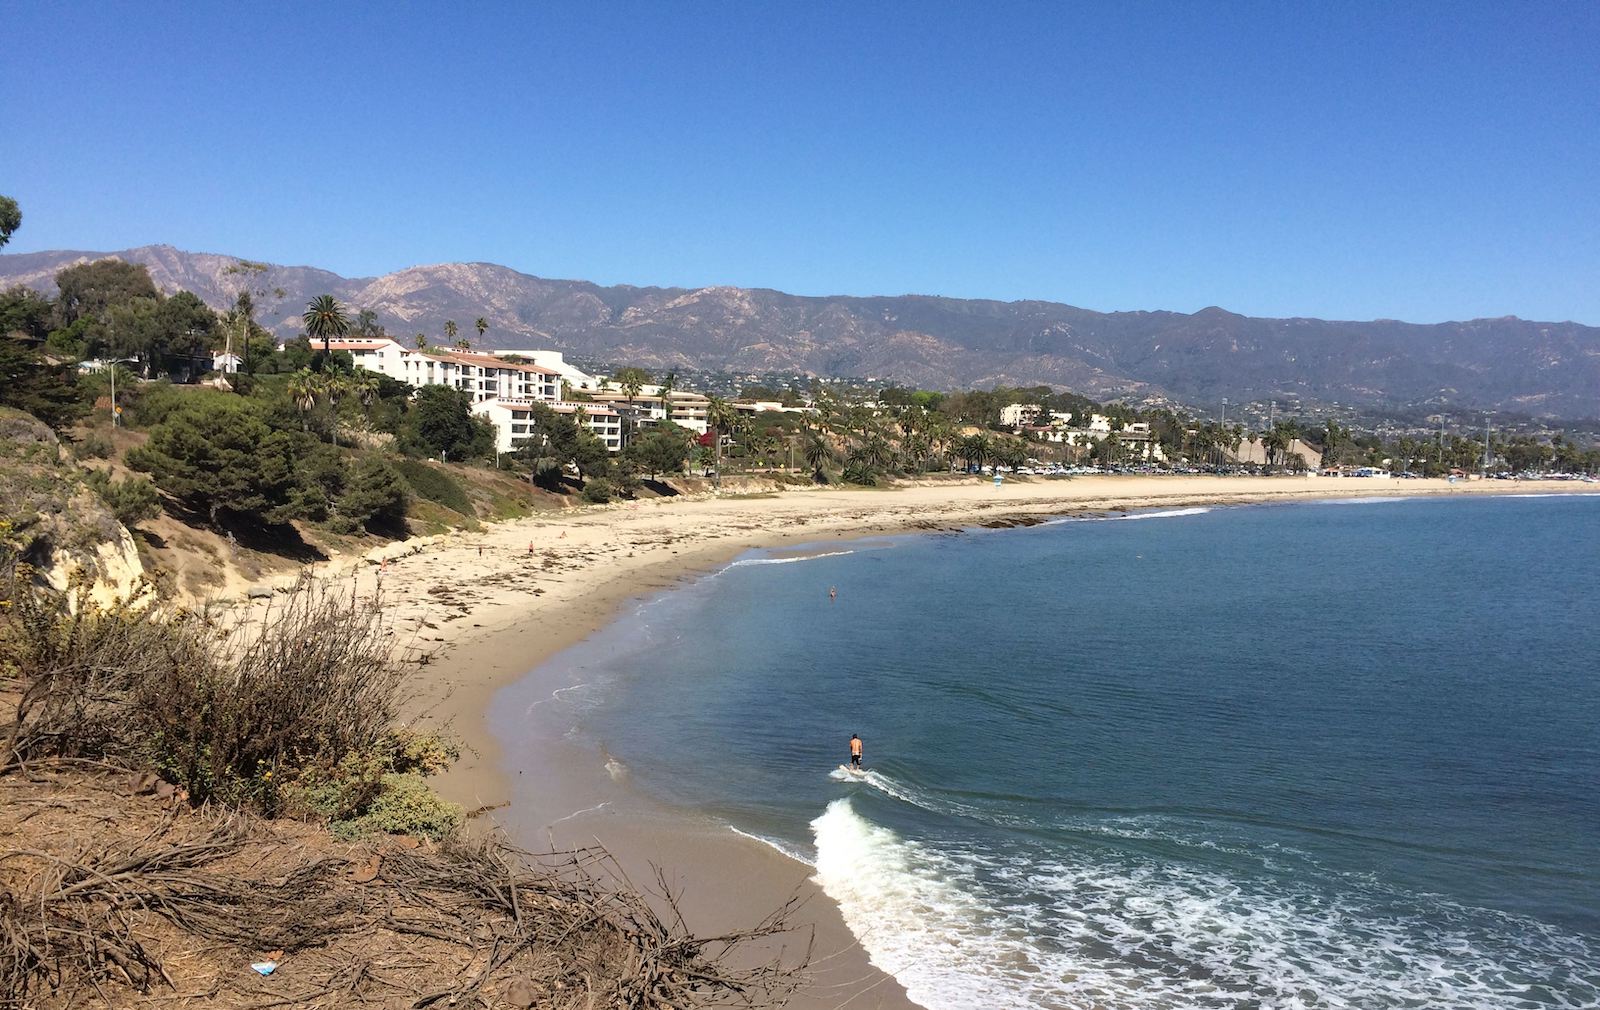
column 965, row 926
column 1140, row 827
column 1159, row 514
column 904, row 793
column 554, row 696
column 775, row 844
column 579, row 813
column 745, row 562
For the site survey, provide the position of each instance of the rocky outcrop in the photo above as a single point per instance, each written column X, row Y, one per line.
column 53, row 522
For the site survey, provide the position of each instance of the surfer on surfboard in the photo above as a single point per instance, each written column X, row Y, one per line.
column 855, row 753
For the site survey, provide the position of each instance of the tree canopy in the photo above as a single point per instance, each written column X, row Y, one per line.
column 441, row 421
column 10, row 219
column 25, row 311
column 216, row 455
column 558, row 440
column 89, row 290
column 663, row 449
column 48, row 392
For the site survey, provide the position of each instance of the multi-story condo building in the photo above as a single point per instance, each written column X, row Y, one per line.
column 502, row 390
column 513, row 421
column 649, row 408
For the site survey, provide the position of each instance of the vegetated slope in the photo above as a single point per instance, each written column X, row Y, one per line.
column 1550, row 369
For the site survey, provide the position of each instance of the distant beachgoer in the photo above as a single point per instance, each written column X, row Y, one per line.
column 530, row 547
column 833, row 593
column 480, row 550
column 855, row 751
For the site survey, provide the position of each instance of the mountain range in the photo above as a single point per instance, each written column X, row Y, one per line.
column 1510, row 364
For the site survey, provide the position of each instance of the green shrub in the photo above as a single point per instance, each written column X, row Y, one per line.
column 375, row 495
column 598, row 490
column 404, row 806
column 434, row 484
column 131, row 500
column 149, row 403
column 314, row 687
column 93, row 446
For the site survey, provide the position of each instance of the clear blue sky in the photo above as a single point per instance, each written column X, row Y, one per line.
column 1428, row 161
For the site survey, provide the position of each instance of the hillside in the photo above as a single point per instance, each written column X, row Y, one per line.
column 1543, row 369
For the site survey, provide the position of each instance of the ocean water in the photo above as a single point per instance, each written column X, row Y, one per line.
column 1340, row 754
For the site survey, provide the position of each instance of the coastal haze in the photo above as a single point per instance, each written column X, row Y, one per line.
column 1543, row 369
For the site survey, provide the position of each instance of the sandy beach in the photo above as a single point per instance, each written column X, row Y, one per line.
column 494, row 606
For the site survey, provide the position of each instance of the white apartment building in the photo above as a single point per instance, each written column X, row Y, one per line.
column 501, row 390
column 1015, row 415
column 485, row 376
column 689, row 410
column 555, row 361
column 513, row 421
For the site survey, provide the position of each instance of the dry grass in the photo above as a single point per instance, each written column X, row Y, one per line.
column 119, row 901
column 223, row 712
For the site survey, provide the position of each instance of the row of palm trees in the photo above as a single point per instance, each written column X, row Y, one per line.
column 325, row 319
column 452, row 337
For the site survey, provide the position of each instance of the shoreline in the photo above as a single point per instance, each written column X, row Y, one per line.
column 505, row 602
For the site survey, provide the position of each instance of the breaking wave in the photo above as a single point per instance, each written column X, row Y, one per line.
column 965, row 925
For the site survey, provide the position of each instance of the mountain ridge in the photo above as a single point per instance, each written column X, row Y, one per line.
column 1539, row 368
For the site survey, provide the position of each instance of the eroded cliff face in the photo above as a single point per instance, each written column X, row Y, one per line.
column 54, row 523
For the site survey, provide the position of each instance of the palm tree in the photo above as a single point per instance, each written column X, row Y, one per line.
column 422, row 341
column 630, row 381
column 450, row 332
column 876, row 452
column 977, row 450
column 818, row 455
column 365, row 386
column 482, row 326
column 719, row 418
column 304, row 386
column 324, row 318
column 334, row 387
column 940, row 434
column 668, row 386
